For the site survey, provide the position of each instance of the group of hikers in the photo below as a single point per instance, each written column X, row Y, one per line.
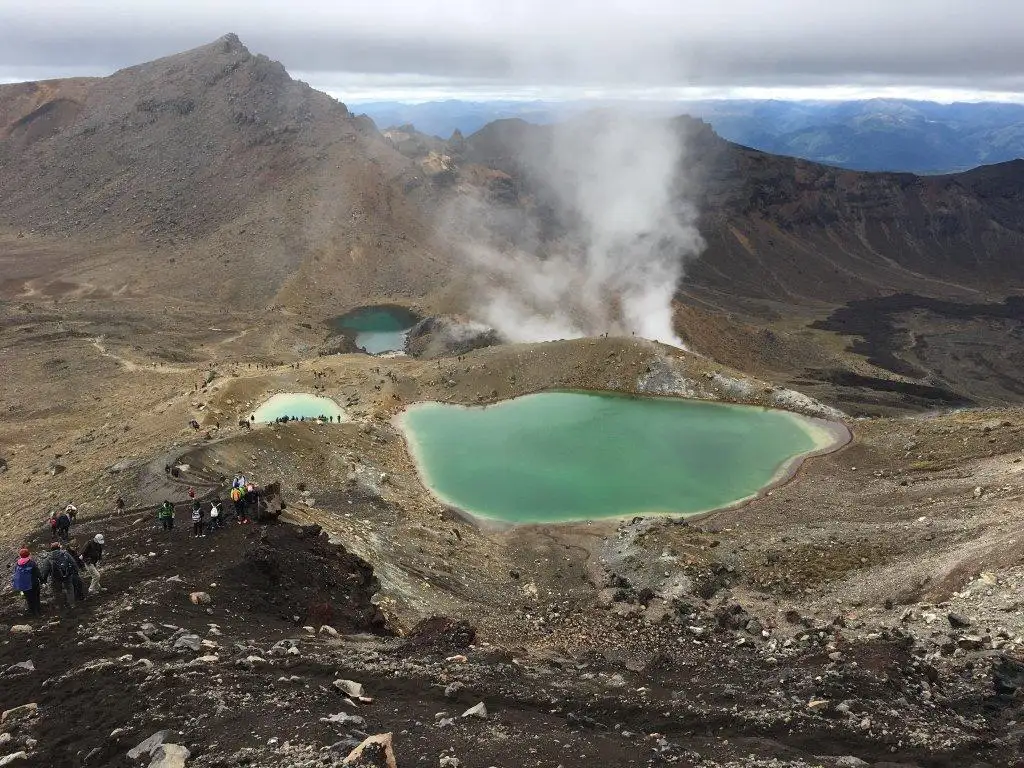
column 73, row 575
column 63, row 567
column 321, row 418
column 245, row 499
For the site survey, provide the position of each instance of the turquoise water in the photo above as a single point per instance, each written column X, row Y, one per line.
column 562, row 456
column 298, row 405
column 378, row 329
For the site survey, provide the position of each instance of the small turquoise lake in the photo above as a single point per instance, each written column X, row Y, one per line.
column 570, row 456
column 298, row 405
column 378, row 329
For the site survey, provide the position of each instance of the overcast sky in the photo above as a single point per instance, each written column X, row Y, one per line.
column 423, row 49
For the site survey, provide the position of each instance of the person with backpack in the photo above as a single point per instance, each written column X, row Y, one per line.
column 71, row 511
column 63, row 526
column 91, row 556
column 72, row 549
column 166, row 516
column 27, row 580
column 197, row 520
column 214, row 516
column 60, row 570
column 238, row 499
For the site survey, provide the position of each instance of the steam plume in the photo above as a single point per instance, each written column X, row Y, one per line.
column 601, row 248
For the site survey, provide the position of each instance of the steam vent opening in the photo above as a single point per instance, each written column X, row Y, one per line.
column 571, row 456
column 297, row 406
column 377, row 329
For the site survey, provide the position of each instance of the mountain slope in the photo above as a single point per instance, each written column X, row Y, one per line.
column 216, row 159
column 873, row 134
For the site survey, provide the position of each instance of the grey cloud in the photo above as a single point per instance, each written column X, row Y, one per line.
column 729, row 42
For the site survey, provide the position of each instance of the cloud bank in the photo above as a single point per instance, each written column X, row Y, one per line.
column 647, row 43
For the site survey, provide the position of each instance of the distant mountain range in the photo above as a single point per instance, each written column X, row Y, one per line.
column 873, row 135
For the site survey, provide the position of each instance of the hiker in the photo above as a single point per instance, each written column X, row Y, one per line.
column 72, row 549
column 26, row 579
column 238, row 499
column 252, row 501
column 192, row 493
column 63, row 526
column 60, row 570
column 166, row 516
column 214, row 516
column 91, row 556
column 119, row 504
column 71, row 511
column 197, row 520
column 53, row 525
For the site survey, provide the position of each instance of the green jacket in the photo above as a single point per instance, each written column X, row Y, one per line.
column 166, row 510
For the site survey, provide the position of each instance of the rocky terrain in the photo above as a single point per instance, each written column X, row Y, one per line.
column 867, row 612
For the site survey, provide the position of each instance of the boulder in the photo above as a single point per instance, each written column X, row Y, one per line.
column 374, row 752
column 21, row 668
column 13, row 757
column 350, row 688
column 146, row 747
column 440, row 633
column 1008, row 676
column 191, row 642
column 169, row 756
column 17, row 713
column 200, row 598
column 480, row 711
column 20, row 629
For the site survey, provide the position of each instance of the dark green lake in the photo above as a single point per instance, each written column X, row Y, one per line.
column 378, row 329
column 568, row 456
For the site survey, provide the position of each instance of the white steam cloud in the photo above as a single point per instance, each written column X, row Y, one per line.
column 601, row 248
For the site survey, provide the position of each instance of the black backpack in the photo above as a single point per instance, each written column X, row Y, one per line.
column 63, row 565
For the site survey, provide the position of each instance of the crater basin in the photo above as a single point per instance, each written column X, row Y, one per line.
column 378, row 329
column 571, row 456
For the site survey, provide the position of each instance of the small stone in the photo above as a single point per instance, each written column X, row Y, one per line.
column 453, row 689
column 958, row 621
column 328, row 630
column 343, row 718
column 309, row 630
column 479, row 711
column 200, row 598
column 8, row 759
column 449, row 762
column 817, row 703
column 849, row 761
column 18, row 629
column 255, row 660
column 210, row 659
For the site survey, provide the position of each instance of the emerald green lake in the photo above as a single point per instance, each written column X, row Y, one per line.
column 378, row 329
column 568, row 456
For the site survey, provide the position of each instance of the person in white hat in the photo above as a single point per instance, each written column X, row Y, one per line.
column 91, row 555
